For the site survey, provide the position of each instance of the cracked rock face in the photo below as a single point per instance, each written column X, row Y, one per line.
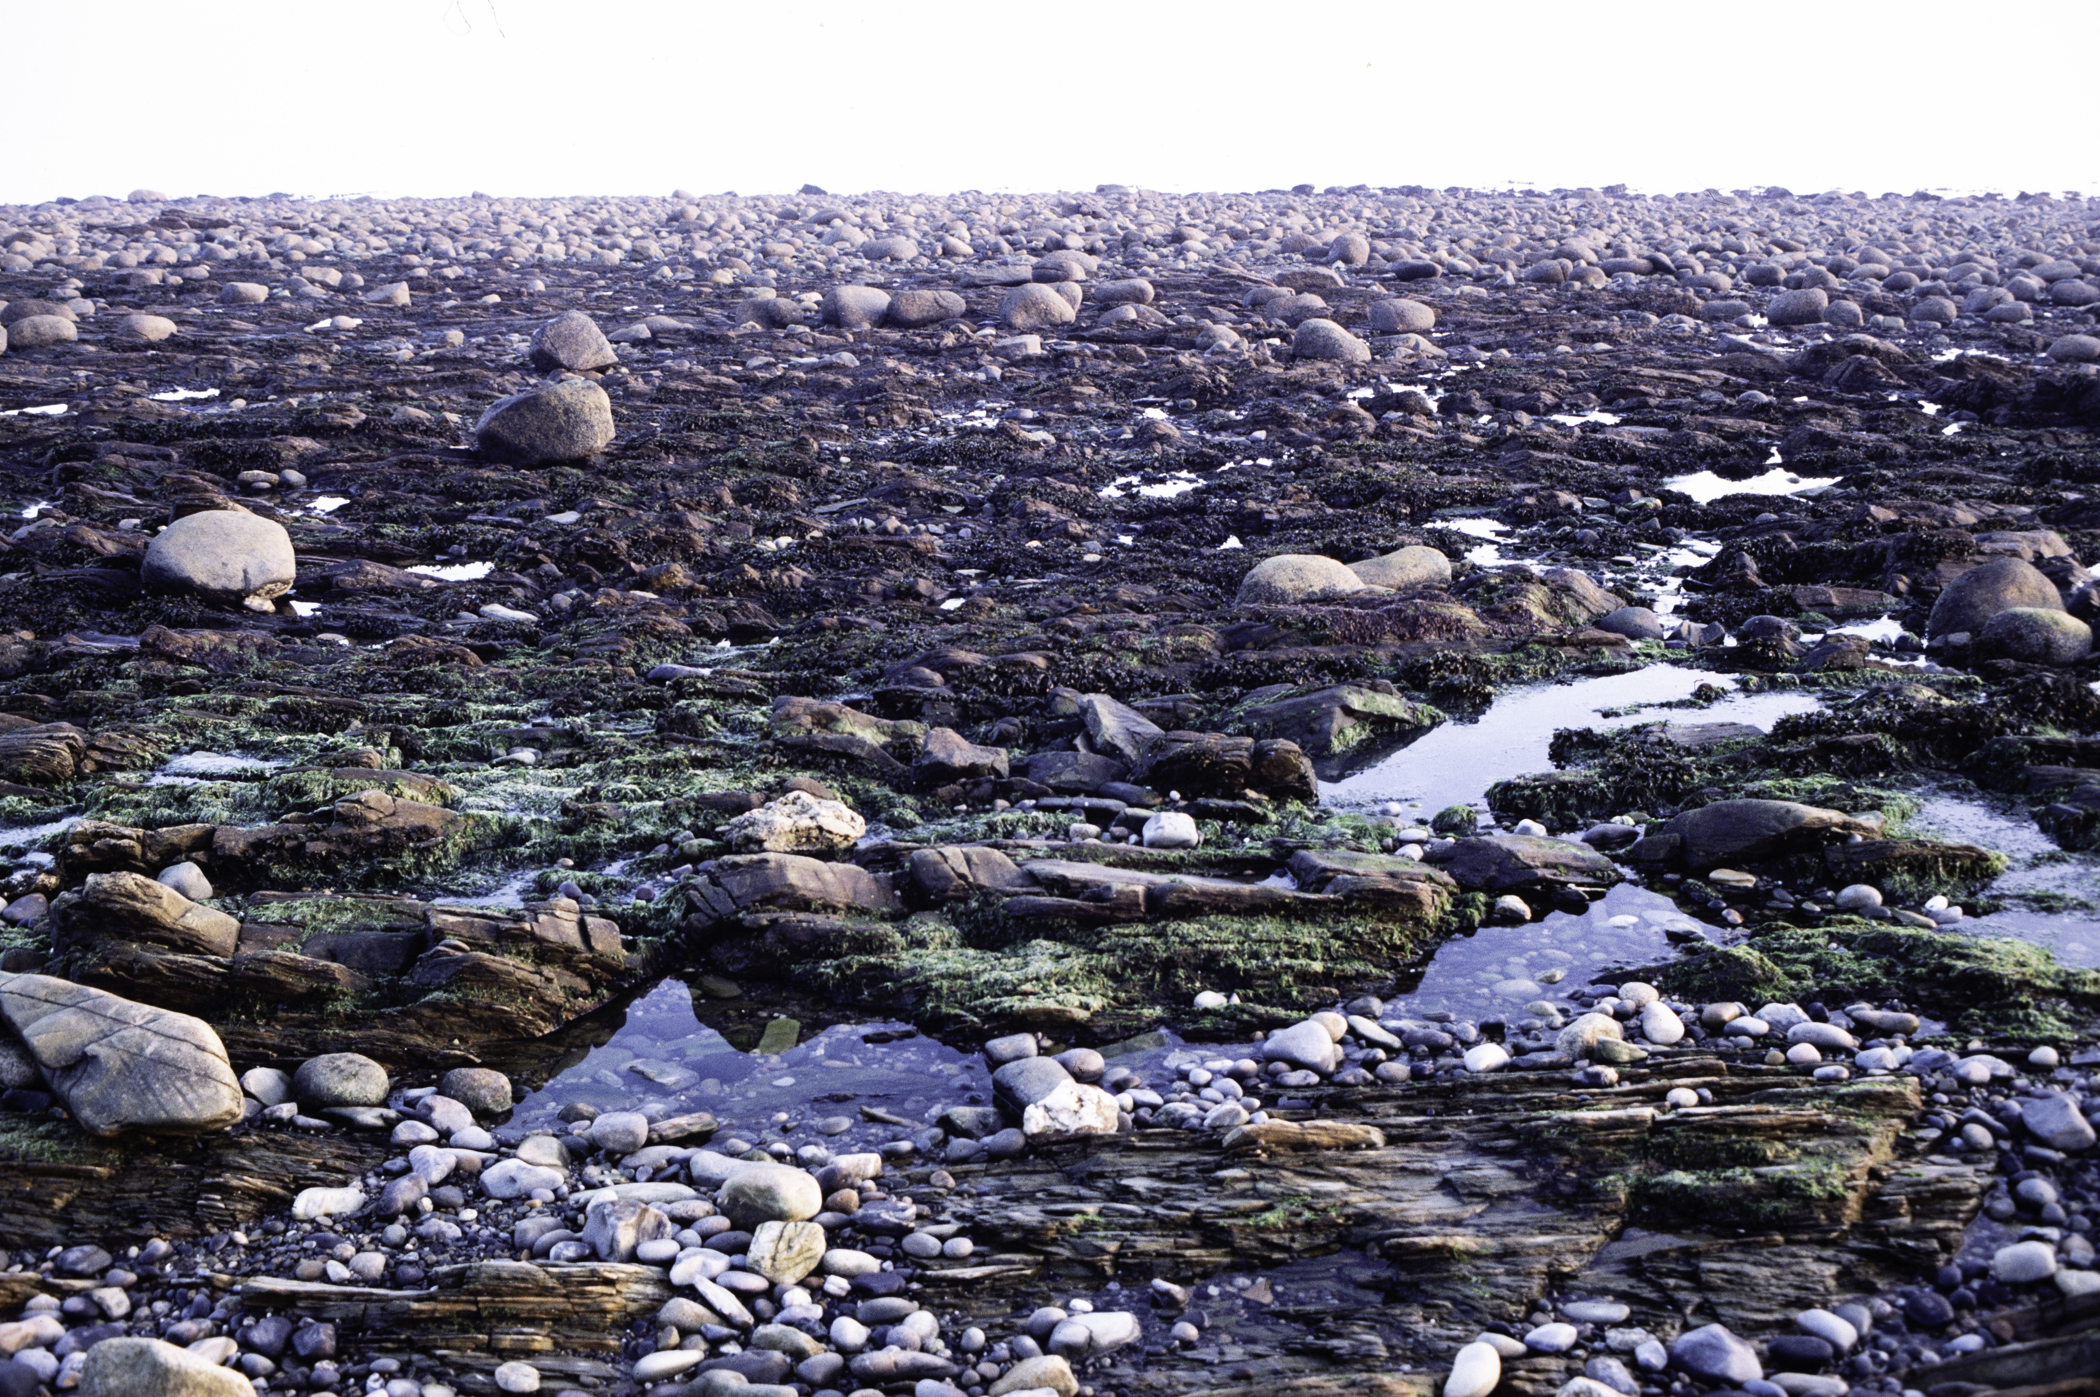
column 119, row 1065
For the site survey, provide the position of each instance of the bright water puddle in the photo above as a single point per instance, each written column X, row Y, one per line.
column 510, row 893
column 1172, row 484
column 666, row 1052
column 454, row 572
column 328, row 504
column 198, row 768
column 41, row 410
column 1495, row 971
column 1488, row 554
column 1706, row 487
column 2039, row 871
column 1456, row 762
column 180, row 395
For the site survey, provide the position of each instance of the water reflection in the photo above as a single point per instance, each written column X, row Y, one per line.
column 1456, row 762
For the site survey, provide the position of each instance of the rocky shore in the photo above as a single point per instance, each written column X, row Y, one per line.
column 1109, row 793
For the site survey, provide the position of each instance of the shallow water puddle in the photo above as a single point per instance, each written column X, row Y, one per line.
column 1497, row 970
column 668, row 1049
column 1706, row 487
column 508, row 893
column 454, row 572
column 1456, row 762
column 2041, row 874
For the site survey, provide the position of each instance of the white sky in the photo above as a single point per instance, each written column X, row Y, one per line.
column 546, row 97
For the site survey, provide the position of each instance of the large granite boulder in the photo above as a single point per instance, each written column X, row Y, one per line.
column 223, row 555
column 119, row 1065
column 564, row 421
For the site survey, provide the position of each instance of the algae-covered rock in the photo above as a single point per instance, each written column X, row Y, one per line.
column 1746, row 831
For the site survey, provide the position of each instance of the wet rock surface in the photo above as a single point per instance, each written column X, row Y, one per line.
column 1349, row 791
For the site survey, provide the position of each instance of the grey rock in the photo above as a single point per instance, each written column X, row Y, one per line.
column 482, row 1090
column 947, row 756
column 614, row 1227
column 1025, row 1081
column 119, row 1065
column 1036, row 306
column 137, row 1367
column 1290, row 578
column 620, row 1132
column 1401, row 315
column 340, row 1079
column 1405, row 569
column 911, row 310
column 1746, row 831
column 2037, row 636
column 1633, row 622
column 854, row 307
column 223, row 554
column 1012, row 1048
column 1323, row 339
column 1713, row 1353
column 185, row 878
column 770, row 1192
column 2002, row 584
column 1803, row 307
column 565, row 421
column 1307, row 1045
column 573, row 341
column 2056, row 1121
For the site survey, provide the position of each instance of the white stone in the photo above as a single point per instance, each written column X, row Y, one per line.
column 2023, row 1262
column 1486, row 1057
column 1071, row 1108
column 1474, row 1372
column 1837, row 1331
column 1171, row 829
column 669, row 1363
column 518, row 1377
column 326, row 1202
column 1661, row 1026
column 1556, row 1337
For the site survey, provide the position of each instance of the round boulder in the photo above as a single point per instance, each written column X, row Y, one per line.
column 896, row 248
column 770, row 1193
column 1803, row 307
column 224, row 554
column 1349, row 250
column 910, row 310
column 2038, row 636
column 854, row 307
column 1035, row 306
column 35, row 305
column 1972, row 599
column 1935, row 310
column 1401, row 315
column 151, row 328
column 1633, row 622
column 243, row 293
column 1405, row 569
column 1131, row 291
column 482, row 1090
column 340, row 1079
column 1296, row 577
column 2075, row 349
column 1323, row 339
column 561, row 422
column 573, row 341
column 41, row 331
